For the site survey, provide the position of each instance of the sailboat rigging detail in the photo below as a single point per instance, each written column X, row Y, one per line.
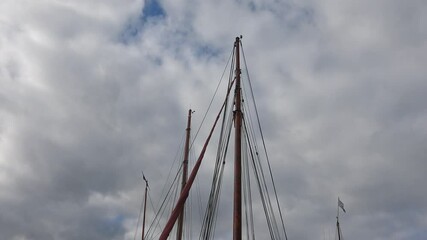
column 249, row 164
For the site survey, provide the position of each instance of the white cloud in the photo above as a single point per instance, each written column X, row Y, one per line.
column 85, row 106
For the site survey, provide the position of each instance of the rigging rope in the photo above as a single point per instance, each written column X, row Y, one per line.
column 264, row 146
column 250, row 229
column 251, row 158
column 250, row 148
column 162, row 207
column 165, row 193
column 211, row 212
column 262, row 187
column 185, row 191
column 139, row 219
column 213, row 97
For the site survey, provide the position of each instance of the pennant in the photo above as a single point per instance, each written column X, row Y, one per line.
column 341, row 204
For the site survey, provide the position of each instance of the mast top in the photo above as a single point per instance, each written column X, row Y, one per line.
column 238, row 38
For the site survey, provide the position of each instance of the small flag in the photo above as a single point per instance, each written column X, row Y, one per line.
column 341, row 204
column 143, row 176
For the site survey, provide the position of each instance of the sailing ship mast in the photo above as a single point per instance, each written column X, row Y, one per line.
column 184, row 173
column 237, row 206
column 145, row 206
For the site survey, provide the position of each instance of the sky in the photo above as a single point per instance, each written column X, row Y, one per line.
column 94, row 91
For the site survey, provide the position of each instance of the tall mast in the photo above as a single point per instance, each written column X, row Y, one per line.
column 237, row 206
column 338, row 229
column 145, row 206
column 184, row 173
column 340, row 204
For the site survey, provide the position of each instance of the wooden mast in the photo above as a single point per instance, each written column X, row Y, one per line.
column 184, row 173
column 237, row 206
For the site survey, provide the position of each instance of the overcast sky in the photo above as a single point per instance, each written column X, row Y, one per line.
column 94, row 91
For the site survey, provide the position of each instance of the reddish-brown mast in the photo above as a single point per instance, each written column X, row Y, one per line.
column 237, row 209
column 184, row 173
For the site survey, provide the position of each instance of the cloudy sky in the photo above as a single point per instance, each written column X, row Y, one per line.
column 94, row 91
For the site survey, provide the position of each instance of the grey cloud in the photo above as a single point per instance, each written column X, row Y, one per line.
column 340, row 87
